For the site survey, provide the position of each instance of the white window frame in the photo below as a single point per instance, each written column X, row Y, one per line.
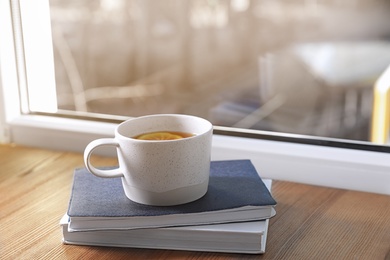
column 320, row 161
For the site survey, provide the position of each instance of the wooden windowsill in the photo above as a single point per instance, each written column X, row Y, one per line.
column 311, row 222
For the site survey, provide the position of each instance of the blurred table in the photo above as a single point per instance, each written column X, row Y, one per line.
column 311, row 222
column 326, row 87
column 345, row 64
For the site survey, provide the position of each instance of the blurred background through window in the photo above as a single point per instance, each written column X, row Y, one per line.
column 300, row 66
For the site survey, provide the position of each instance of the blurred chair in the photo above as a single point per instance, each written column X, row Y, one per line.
column 380, row 121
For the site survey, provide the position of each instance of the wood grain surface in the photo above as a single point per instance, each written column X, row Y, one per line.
column 311, row 222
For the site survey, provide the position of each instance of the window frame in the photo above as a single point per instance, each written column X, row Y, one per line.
column 305, row 159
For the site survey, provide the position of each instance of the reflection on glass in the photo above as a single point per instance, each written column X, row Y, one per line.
column 305, row 67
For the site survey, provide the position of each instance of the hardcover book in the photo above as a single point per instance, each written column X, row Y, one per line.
column 242, row 237
column 236, row 193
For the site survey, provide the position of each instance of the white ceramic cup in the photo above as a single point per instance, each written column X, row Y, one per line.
column 162, row 172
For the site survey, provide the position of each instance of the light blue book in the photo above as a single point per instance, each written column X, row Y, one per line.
column 241, row 237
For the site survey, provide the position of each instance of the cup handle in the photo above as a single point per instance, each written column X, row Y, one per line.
column 87, row 155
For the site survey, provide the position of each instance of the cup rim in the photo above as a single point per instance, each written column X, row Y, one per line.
column 117, row 132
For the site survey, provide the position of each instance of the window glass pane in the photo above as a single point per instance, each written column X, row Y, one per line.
column 302, row 66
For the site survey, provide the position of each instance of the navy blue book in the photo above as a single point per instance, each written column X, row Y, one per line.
column 236, row 193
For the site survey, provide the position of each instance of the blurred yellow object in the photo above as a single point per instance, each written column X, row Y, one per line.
column 381, row 109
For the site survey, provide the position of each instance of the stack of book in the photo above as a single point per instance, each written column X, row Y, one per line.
column 232, row 217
